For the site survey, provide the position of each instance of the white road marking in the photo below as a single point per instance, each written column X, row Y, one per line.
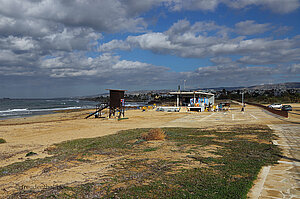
column 290, row 163
column 207, row 117
column 275, row 142
column 293, row 137
column 232, row 116
column 254, row 117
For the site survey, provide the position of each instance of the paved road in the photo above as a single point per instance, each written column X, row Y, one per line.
column 252, row 115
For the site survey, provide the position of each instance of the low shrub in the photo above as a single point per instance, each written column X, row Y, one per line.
column 154, row 134
column 2, row 141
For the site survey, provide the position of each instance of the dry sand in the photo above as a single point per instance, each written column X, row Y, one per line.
column 39, row 132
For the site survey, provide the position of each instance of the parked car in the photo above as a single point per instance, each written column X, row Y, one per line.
column 275, row 106
column 286, row 108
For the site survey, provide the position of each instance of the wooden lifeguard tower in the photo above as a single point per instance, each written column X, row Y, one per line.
column 116, row 103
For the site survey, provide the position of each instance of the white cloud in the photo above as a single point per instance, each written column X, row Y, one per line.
column 249, row 27
column 294, row 69
column 17, row 43
column 177, row 5
column 106, row 68
column 129, row 65
column 276, row 6
column 208, row 40
column 54, row 38
column 105, row 15
column 229, row 75
column 221, row 60
column 157, row 42
column 114, row 44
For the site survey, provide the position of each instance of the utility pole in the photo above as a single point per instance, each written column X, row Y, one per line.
column 184, row 84
column 243, row 101
column 178, row 97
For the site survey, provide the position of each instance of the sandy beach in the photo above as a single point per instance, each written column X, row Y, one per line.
column 40, row 132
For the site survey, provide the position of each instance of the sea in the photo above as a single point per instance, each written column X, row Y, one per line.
column 16, row 108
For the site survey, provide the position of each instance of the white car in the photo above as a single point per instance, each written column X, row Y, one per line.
column 275, row 106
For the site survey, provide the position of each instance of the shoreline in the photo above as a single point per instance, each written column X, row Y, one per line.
column 54, row 116
column 24, row 108
column 43, row 114
column 40, row 113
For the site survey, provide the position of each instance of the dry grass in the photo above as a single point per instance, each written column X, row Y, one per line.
column 189, row 163
column 154, row 134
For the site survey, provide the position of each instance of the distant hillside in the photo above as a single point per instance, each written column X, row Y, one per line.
column 221, row 88
column 288, row 85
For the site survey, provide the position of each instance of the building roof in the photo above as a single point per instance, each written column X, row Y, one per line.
column 190, row 93
column 115, row 90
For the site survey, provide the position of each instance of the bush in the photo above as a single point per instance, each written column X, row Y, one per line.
column 30, row 154
column 2, row 141
column 154, row 134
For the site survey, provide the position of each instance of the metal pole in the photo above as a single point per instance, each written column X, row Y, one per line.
column 243, row 101
column 178, row 97
column 243, row 98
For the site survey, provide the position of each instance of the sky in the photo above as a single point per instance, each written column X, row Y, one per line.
column 67, row 48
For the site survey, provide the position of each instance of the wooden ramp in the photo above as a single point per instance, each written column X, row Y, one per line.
column 100, row 109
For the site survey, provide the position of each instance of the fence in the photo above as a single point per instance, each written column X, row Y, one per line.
column 277, row 112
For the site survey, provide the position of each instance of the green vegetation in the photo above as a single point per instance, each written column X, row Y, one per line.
column 150, row 149
column 2, row 141
column 237, row 155
column 30, row 154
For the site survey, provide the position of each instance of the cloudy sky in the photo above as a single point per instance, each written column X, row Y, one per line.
column 56, row 48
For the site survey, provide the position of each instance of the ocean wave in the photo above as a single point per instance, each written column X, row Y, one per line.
column 20, row 112
column 56, row 109
column 14, row 110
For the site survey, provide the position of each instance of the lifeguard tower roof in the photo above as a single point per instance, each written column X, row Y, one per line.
column 115, row 97
column 190, row 93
